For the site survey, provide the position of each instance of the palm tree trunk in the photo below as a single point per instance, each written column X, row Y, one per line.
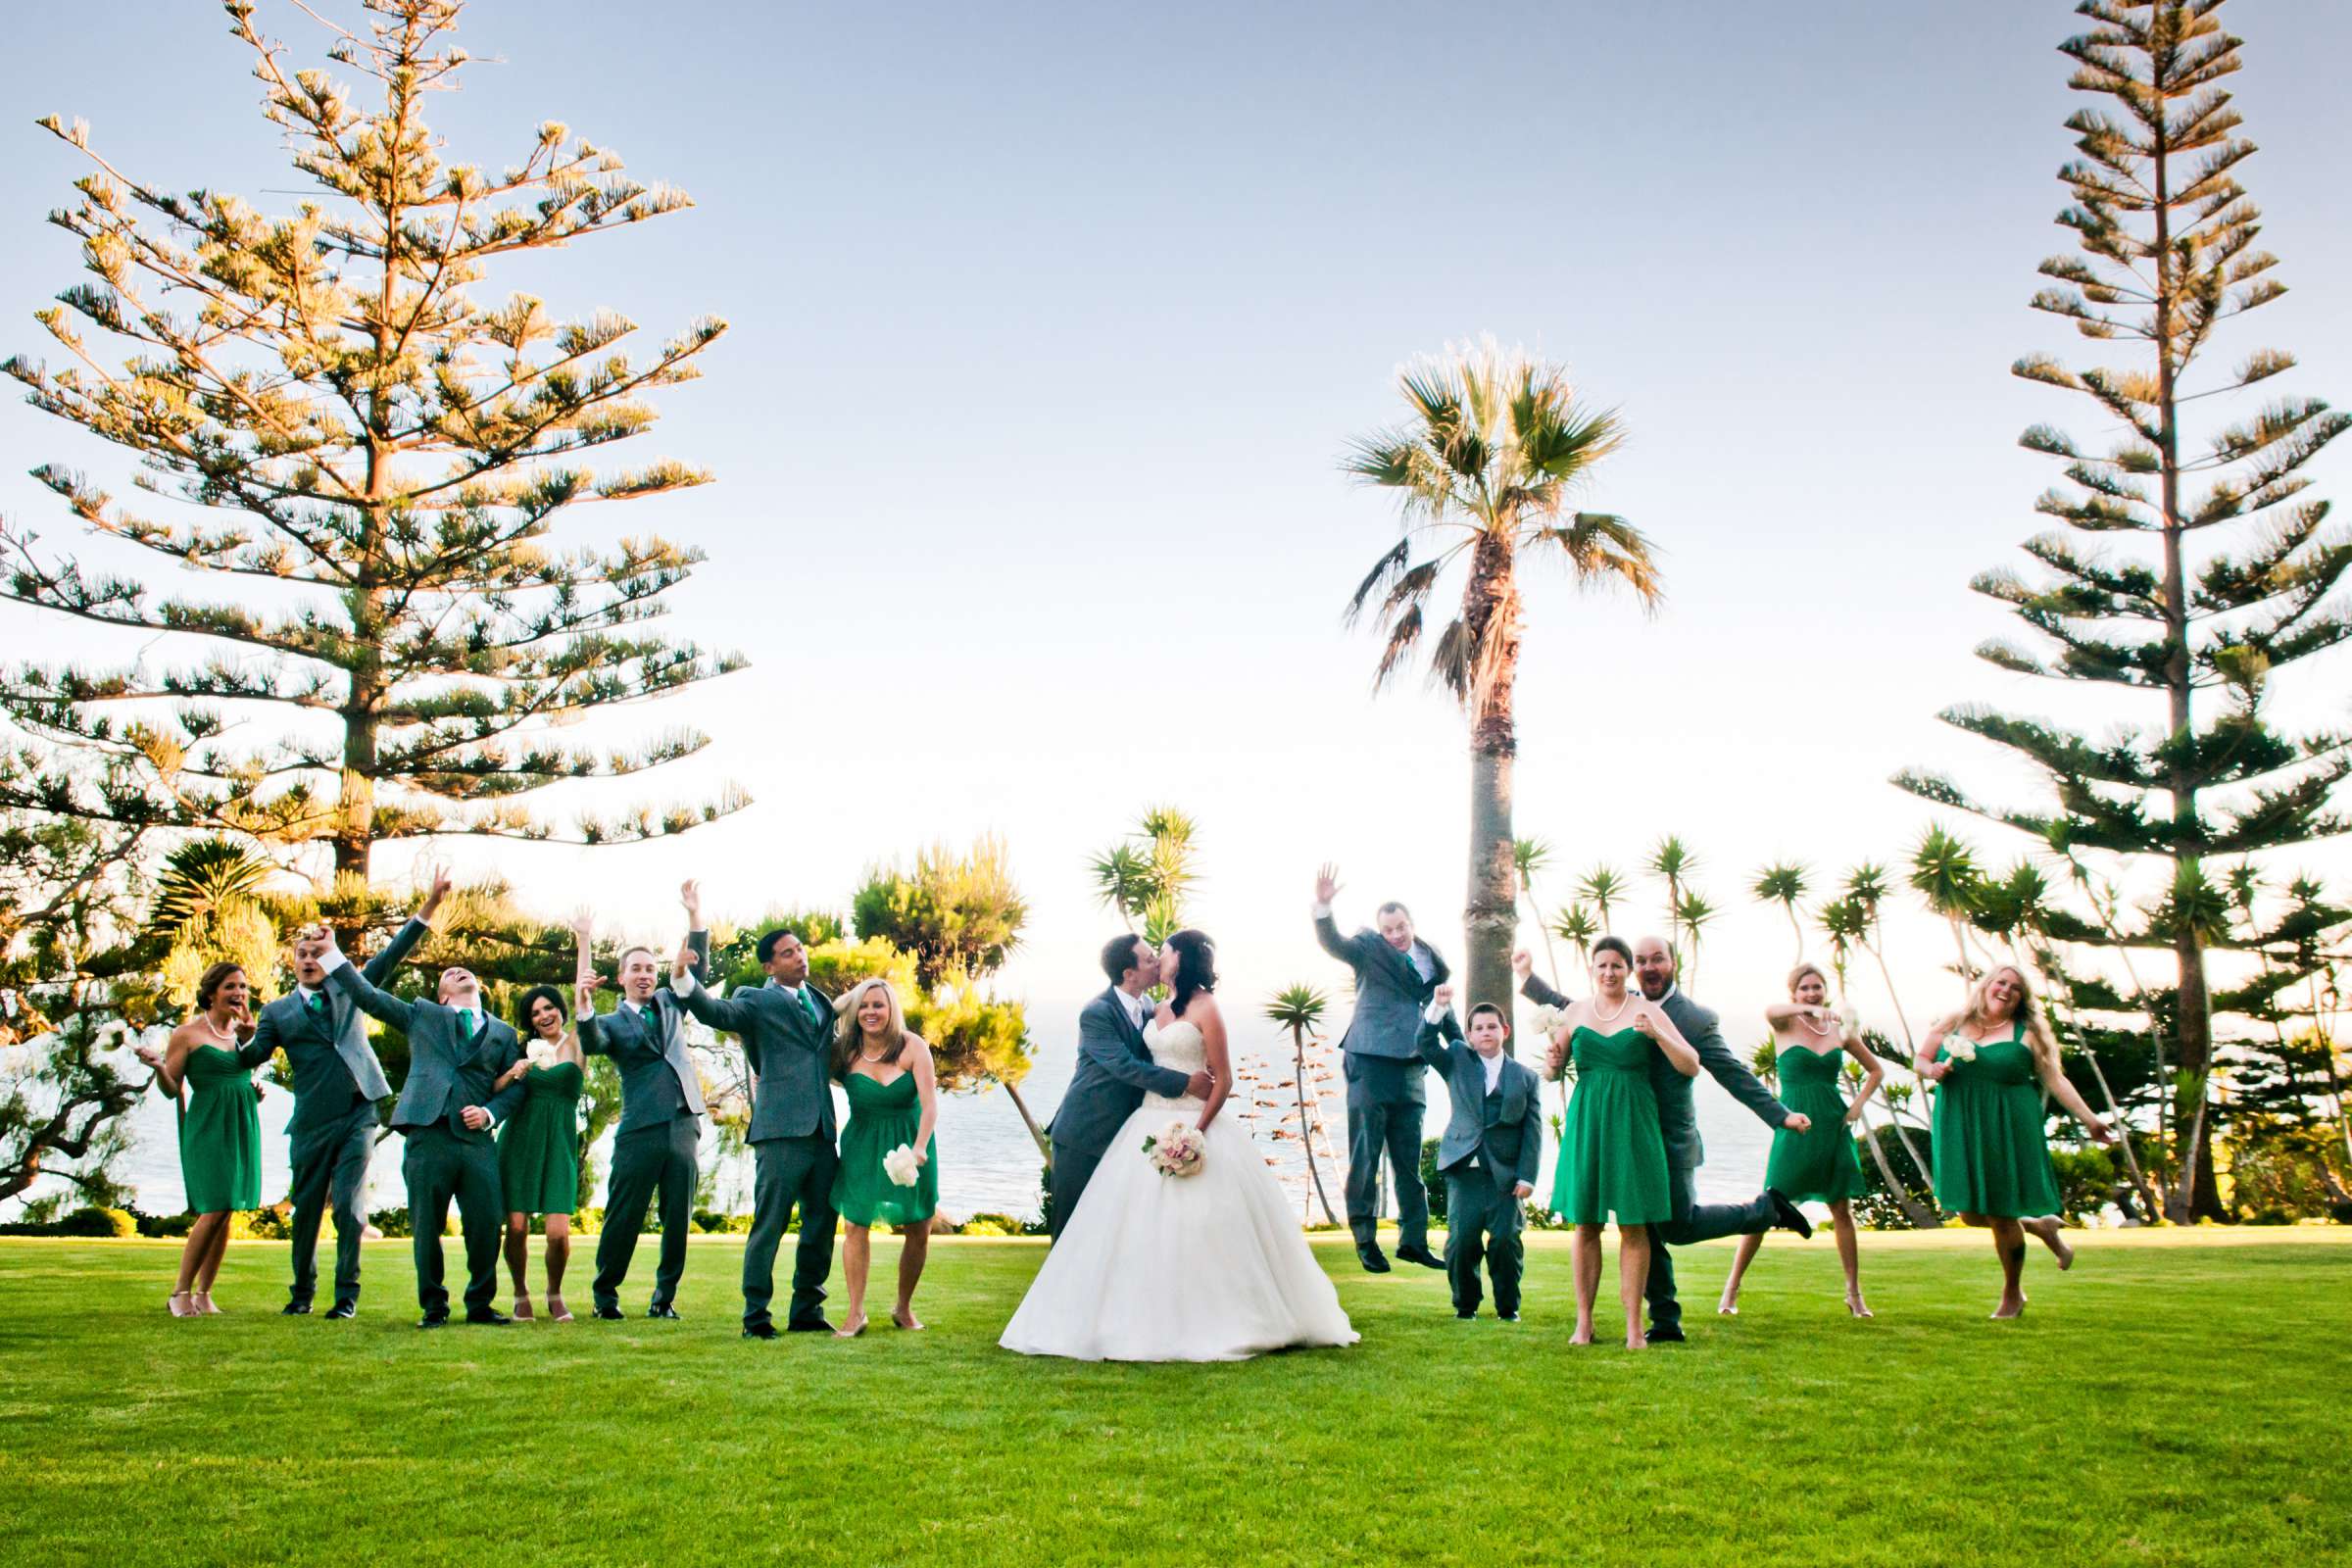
column 1044, row 1144
column 1921, row 1217
column 1490, row 916
column 1306, row 1130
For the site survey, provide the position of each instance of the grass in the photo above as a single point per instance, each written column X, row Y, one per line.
column 2179, row 1397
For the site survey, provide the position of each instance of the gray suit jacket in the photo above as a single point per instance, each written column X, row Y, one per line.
column 658, row 1076
column 1678, row 1117
column 333, row 1064
column 1114, row 1073
column 1389, row 991
column 446, row 1073
column 790, row 1054
column 1507, row 1124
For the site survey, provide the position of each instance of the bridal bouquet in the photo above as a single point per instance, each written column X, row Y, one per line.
column 901, row 1165
column 1176, row 1149
column 541, row 1053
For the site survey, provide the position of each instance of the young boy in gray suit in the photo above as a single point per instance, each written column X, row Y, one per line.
column 1492, row 1146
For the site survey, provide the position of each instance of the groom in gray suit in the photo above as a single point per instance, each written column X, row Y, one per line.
column 337, row 1082
column 1677, row 1120
column 1114, row 1073
column 1395, row 975
column 447, row 1110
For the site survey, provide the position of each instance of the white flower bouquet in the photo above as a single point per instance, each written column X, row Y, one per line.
column 1176, row 1149
column 541, row 1053
column 1959, row 1048
column 901, row 1165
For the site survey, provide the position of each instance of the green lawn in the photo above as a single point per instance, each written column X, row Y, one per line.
column 2177, row 1398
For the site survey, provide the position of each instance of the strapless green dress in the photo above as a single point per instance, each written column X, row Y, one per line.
column 1612, row 1155
column 220, row 1132
column 883, row 1117
column 1991, row 1156
column 1818, row 1166
column 539, row 1147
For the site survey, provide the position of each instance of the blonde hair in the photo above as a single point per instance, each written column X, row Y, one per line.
column 1804, row 968
column 849, row 1034
column 1849, row 1028
column 2038, row 1037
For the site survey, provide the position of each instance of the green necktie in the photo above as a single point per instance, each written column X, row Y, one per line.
column 465, row 1025
column 315, row 1001
column 653, row 1021
column 808, row 1003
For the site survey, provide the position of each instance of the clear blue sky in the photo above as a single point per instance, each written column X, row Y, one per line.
column 1050, row 326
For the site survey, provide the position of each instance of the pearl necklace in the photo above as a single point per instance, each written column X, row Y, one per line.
column 221, row 1036
column 1819, row 1029
column 1612, row 1017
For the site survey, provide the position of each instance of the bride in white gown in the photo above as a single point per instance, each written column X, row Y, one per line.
column 1205, row 1268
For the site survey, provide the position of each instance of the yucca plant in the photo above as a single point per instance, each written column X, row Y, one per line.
column 1783, row 882
column 1299, row 1009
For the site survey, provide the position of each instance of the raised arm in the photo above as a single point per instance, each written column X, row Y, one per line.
column 264, row 1043
column 1781, row 1014
column 1100, row 1043
column 1532, row 986
column 1439, row 1030
column 1327, row 932
column 727, row 1013
column 381, row 1005
column 1211, row 1024
column 385, row 965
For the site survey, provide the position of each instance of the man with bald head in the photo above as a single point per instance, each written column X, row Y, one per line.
column 1677, row 1121
column 446, row 1109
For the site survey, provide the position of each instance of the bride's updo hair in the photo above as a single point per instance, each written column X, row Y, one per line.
column 1196, row 966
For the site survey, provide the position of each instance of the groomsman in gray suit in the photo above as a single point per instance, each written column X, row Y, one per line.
column 1114, row 1073
column 786, row 1027
column 1395, row 975
column 337, row 1082
column 447, row 1109
column 655, row 1148
column 1677, row 1120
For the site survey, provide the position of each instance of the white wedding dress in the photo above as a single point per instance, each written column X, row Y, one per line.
column 1205, row 1268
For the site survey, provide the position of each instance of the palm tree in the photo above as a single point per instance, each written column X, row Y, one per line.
column 1575, row 924
column 1695, row 913
column 1494, row 447
column 1673, row 864
column 1783, row 882
column 1122, row 881
column 1866, row 890
column 202, row 875
column 1531, row 856
column 1299, row 1009
column 1147, row 874
column 1943, row 872
column 1600, row 888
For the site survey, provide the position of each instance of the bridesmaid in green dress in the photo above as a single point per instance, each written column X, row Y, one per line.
column 219, row 1126
column 1990, row 1064
column 1817, row 1165
column 539, row 1148
column 1612, row 1159
column 894, row 1103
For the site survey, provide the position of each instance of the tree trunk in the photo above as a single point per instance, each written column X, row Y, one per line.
column 1921, row 1217
column 1491, row 916
column 1306, row 1130
column 1044, row 1144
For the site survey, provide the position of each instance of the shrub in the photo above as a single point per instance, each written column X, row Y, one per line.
column 391, row 1221
column 983, row 1225
column 94, row 1221
column 165, row 1224
column 587, row 1220
column 1433, row 1181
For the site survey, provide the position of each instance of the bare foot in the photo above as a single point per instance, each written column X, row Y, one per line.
column 523, row 1306
column 2052, row 1232
column 851, row 1328
column 1637, row 1341
column 1582, row 1335
column 903, row 1317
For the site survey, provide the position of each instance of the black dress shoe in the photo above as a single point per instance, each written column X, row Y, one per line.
column 609, row 1313
column 294, row 1309
column 434, row 1320
column 759, row 1331
column 669, row 1312
column 486, row 1314
column 1667, row 1337
column 1791, row 1217
column 1466, row 1317
column 1507, row 1317
column 1421, row 1255
column 814, row 1326
column 341, row 1310
column 1371, row 1256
